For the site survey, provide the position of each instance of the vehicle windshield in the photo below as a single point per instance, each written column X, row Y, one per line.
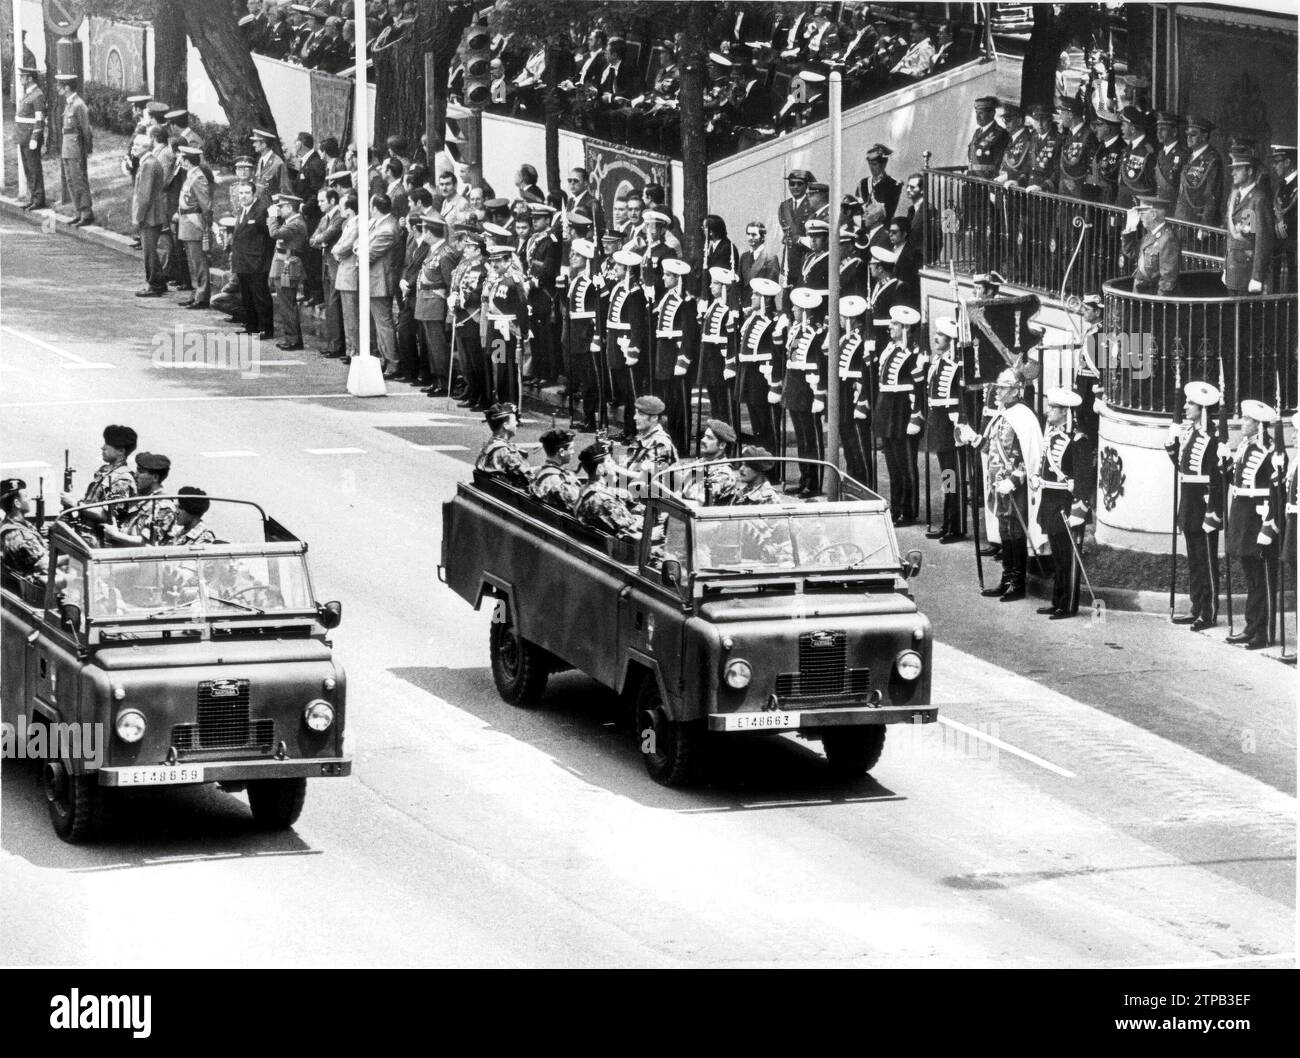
column 192, row 588
column 794, row 540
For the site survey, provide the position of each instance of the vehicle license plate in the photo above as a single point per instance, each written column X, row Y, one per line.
column 160, row 776
column 762, row 721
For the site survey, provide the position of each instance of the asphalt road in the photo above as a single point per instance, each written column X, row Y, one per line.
column 1117, row 793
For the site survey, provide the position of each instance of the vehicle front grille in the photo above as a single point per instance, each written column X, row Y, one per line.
column 823, row 671
column 223, row 721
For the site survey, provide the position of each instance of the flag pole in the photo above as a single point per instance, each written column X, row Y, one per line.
column 833, row 291
column 365, row 373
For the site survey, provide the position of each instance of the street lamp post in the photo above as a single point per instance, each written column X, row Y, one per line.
column 365, row 372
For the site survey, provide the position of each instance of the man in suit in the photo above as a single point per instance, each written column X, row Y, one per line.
column 250, row 259
column 307, row 175
column 878, row 185
column 1284, row 219
column 384, row 233
column 584, row 201
column 793, row 213
column 149, row 213
column 1252, row 229
column 922, row 226
column 322, row 240
column 758, row 262
column 415, row 250
column 75, row 148
column 193, row 224
column 618, row 81
column 719, row 252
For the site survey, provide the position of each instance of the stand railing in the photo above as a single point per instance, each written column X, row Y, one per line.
column 1045, row 242
column 1145, row 336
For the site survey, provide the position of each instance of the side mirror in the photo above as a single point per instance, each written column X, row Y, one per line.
column 330, row 614
column 670, row 573
column 70, row 617
column 912, row 564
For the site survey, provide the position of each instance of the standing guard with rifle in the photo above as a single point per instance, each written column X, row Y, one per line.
column 761, row 334
column 898, row 405
column 943, row 412
column 542, row 253
column 1061, row 512
column 674, row 318
column 1194, row 452
column 802, row 370
column 717, row 367
column 582, row 303
column 1253, row 525
column 854, row 410
column 624, row 327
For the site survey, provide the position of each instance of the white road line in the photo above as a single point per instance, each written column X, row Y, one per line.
column 193, row 366
column 335, row 451
column 438, row 448
column 31, row 464
column 274, row 363
column 188, row 400
column 1239, row 960
column 234, row 453
column 1023, row 754
column 72, row 358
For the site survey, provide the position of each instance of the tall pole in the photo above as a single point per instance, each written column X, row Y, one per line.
column 833, row 293
column 365, row 373
column 17, row 21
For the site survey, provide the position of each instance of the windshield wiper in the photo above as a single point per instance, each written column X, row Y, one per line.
column 235, row 602
column 168, row 609
column 864, row 559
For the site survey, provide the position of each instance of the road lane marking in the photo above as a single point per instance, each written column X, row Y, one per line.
column 73, row 359
column 438, row 448
column 187, row 400
column 274, row 363
column 194, row 365
column 1023, row 754
column 1239, row 960
column 31, row 464
column 335, row 451
column 234, row 453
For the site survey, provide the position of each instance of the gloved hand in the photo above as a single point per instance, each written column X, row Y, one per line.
column 859, row 412
column 595, row 345
column 818, row 406
column 1255, row 287
column 1224, row 453
column 1175, row 434
column 1005, row 487
column 774, row 395
column 728, row 374
column 1035, row 482
column 913, row 428
column 681, row 367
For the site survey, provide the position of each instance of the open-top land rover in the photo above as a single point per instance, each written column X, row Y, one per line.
column 788, row 617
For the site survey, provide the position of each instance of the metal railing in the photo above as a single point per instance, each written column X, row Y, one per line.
column 1150, row 343
column 1046, row 242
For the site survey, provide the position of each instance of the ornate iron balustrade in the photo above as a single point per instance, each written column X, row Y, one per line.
column 1151, row 343
column 1049, row 243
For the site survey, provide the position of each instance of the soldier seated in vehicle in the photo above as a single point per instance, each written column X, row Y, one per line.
column 601, row 505
column 554, row 483
column 500, row 456
column 712, row 485
column 23, row 552
column 754, row 486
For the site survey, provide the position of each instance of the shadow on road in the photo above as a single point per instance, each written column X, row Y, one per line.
column 587, row 730
column 146, row 827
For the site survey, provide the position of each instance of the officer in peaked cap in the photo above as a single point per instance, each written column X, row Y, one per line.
column 1061, row 507
column 29, row 116
column 984, row 152
column 1252, row 229
column 1171, row 154
column 793, row 214
column 1254, row 525
column 1194, row 452
column 878, row 185
column 1201, row 188
column 1159, row 255
column 1283, row 159
column 1137, row 171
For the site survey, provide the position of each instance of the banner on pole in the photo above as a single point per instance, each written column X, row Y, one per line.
column 616, row 170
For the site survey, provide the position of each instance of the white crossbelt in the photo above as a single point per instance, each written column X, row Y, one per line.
column 896, row 388
column 1249, row 493
column 943, row 402
column 1195, row 479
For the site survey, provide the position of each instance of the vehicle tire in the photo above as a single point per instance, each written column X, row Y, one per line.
column 672, row 749
column 276, row 803
column 519, row 668
column 851, row 752
column 76, row 803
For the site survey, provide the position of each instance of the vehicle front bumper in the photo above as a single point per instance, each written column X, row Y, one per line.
column 245, row 770
column 811, row 716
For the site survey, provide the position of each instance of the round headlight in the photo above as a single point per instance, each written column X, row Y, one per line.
column 130, row 725
column 908, row 664
column 737, row 674
column 328, row 683
column 318, row 715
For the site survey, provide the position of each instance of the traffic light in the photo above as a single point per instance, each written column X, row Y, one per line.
column 476, row 51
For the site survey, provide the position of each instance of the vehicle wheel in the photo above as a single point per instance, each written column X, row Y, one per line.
column 851, row 752
column 76, row 803
column 672, row 749
column 519, row 668
column 277, row 803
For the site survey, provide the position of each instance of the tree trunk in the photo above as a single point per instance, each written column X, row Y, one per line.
column 229, row 65
column 402, row 108
column 169, row 79
column 695, row 167
column 551, row 110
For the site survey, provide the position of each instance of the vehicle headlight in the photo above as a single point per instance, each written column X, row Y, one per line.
column 737, row 674
column 318, row 715
column 130, row 725
column 908, row 664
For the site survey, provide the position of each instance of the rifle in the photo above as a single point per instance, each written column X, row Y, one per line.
column 39, row 519
column 567, row 329
column 67, row 472
column 973, row 475
column 1173, row 529
column 599, row 336
column 1227, row 496
column 1277, row 508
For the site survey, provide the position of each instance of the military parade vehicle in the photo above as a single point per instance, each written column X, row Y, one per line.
column 187, row 663
column 794, row 616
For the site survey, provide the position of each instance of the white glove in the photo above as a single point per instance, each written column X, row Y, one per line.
column 1263, row 540
column 595, row 346
column 1005, row 487
column 818, row 406
column 32, row 146
column 728, row 374
column 1224, row 453
column 1255, row 287
column 1176, row 430
column 1034, row 187
column 1279, row 461
column 1035, row 482
column 966, row 435
column 913, row 429
column 773, row 396
column 405, row 285
column 858, row 413
column 1131, row 220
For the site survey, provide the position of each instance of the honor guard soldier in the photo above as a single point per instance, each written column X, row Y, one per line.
column 287, row 227
column 1200, row 191
column 601, row 505
column 1171, row 155
column 1078, row 145
column 814, row 272
column 29, row 116
column 112, row 481
column 1046, row 148
column 793, row 213
column 1102, row 184
column 853, row 274
column 543, row 256
column 1194, row 451
column 762, row 334
column 22, row 547
column 801, row 379
column 1284, row 219
column 943, row 390
column 716, row 484
column 717, row 366
column 988, row 142
column 147, row 522
column 1061, row 510
column 1159, row 255
column 500, row 455
column 582, row 300
column 899, row 376
column 886, row 292
column 465, row 300
column 1253, row 526
column 1252, row 228
column 851, row 370
column 674, row 319
column 554, row 483
column 1014, row 443
column 505, row 318
column 1137, row 171
column 75, row 148
column 624, row 327
column 1291, row 503
column 652, row 449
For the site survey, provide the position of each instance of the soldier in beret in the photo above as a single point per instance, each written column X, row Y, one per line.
column 712, row 485
column 601, row 505
column 554, row 483
column 113, row 480
column 500, row 455
column 146, row 522
column 652, row 449
column 755, row 487
column 189, row 528
column 22, row 548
